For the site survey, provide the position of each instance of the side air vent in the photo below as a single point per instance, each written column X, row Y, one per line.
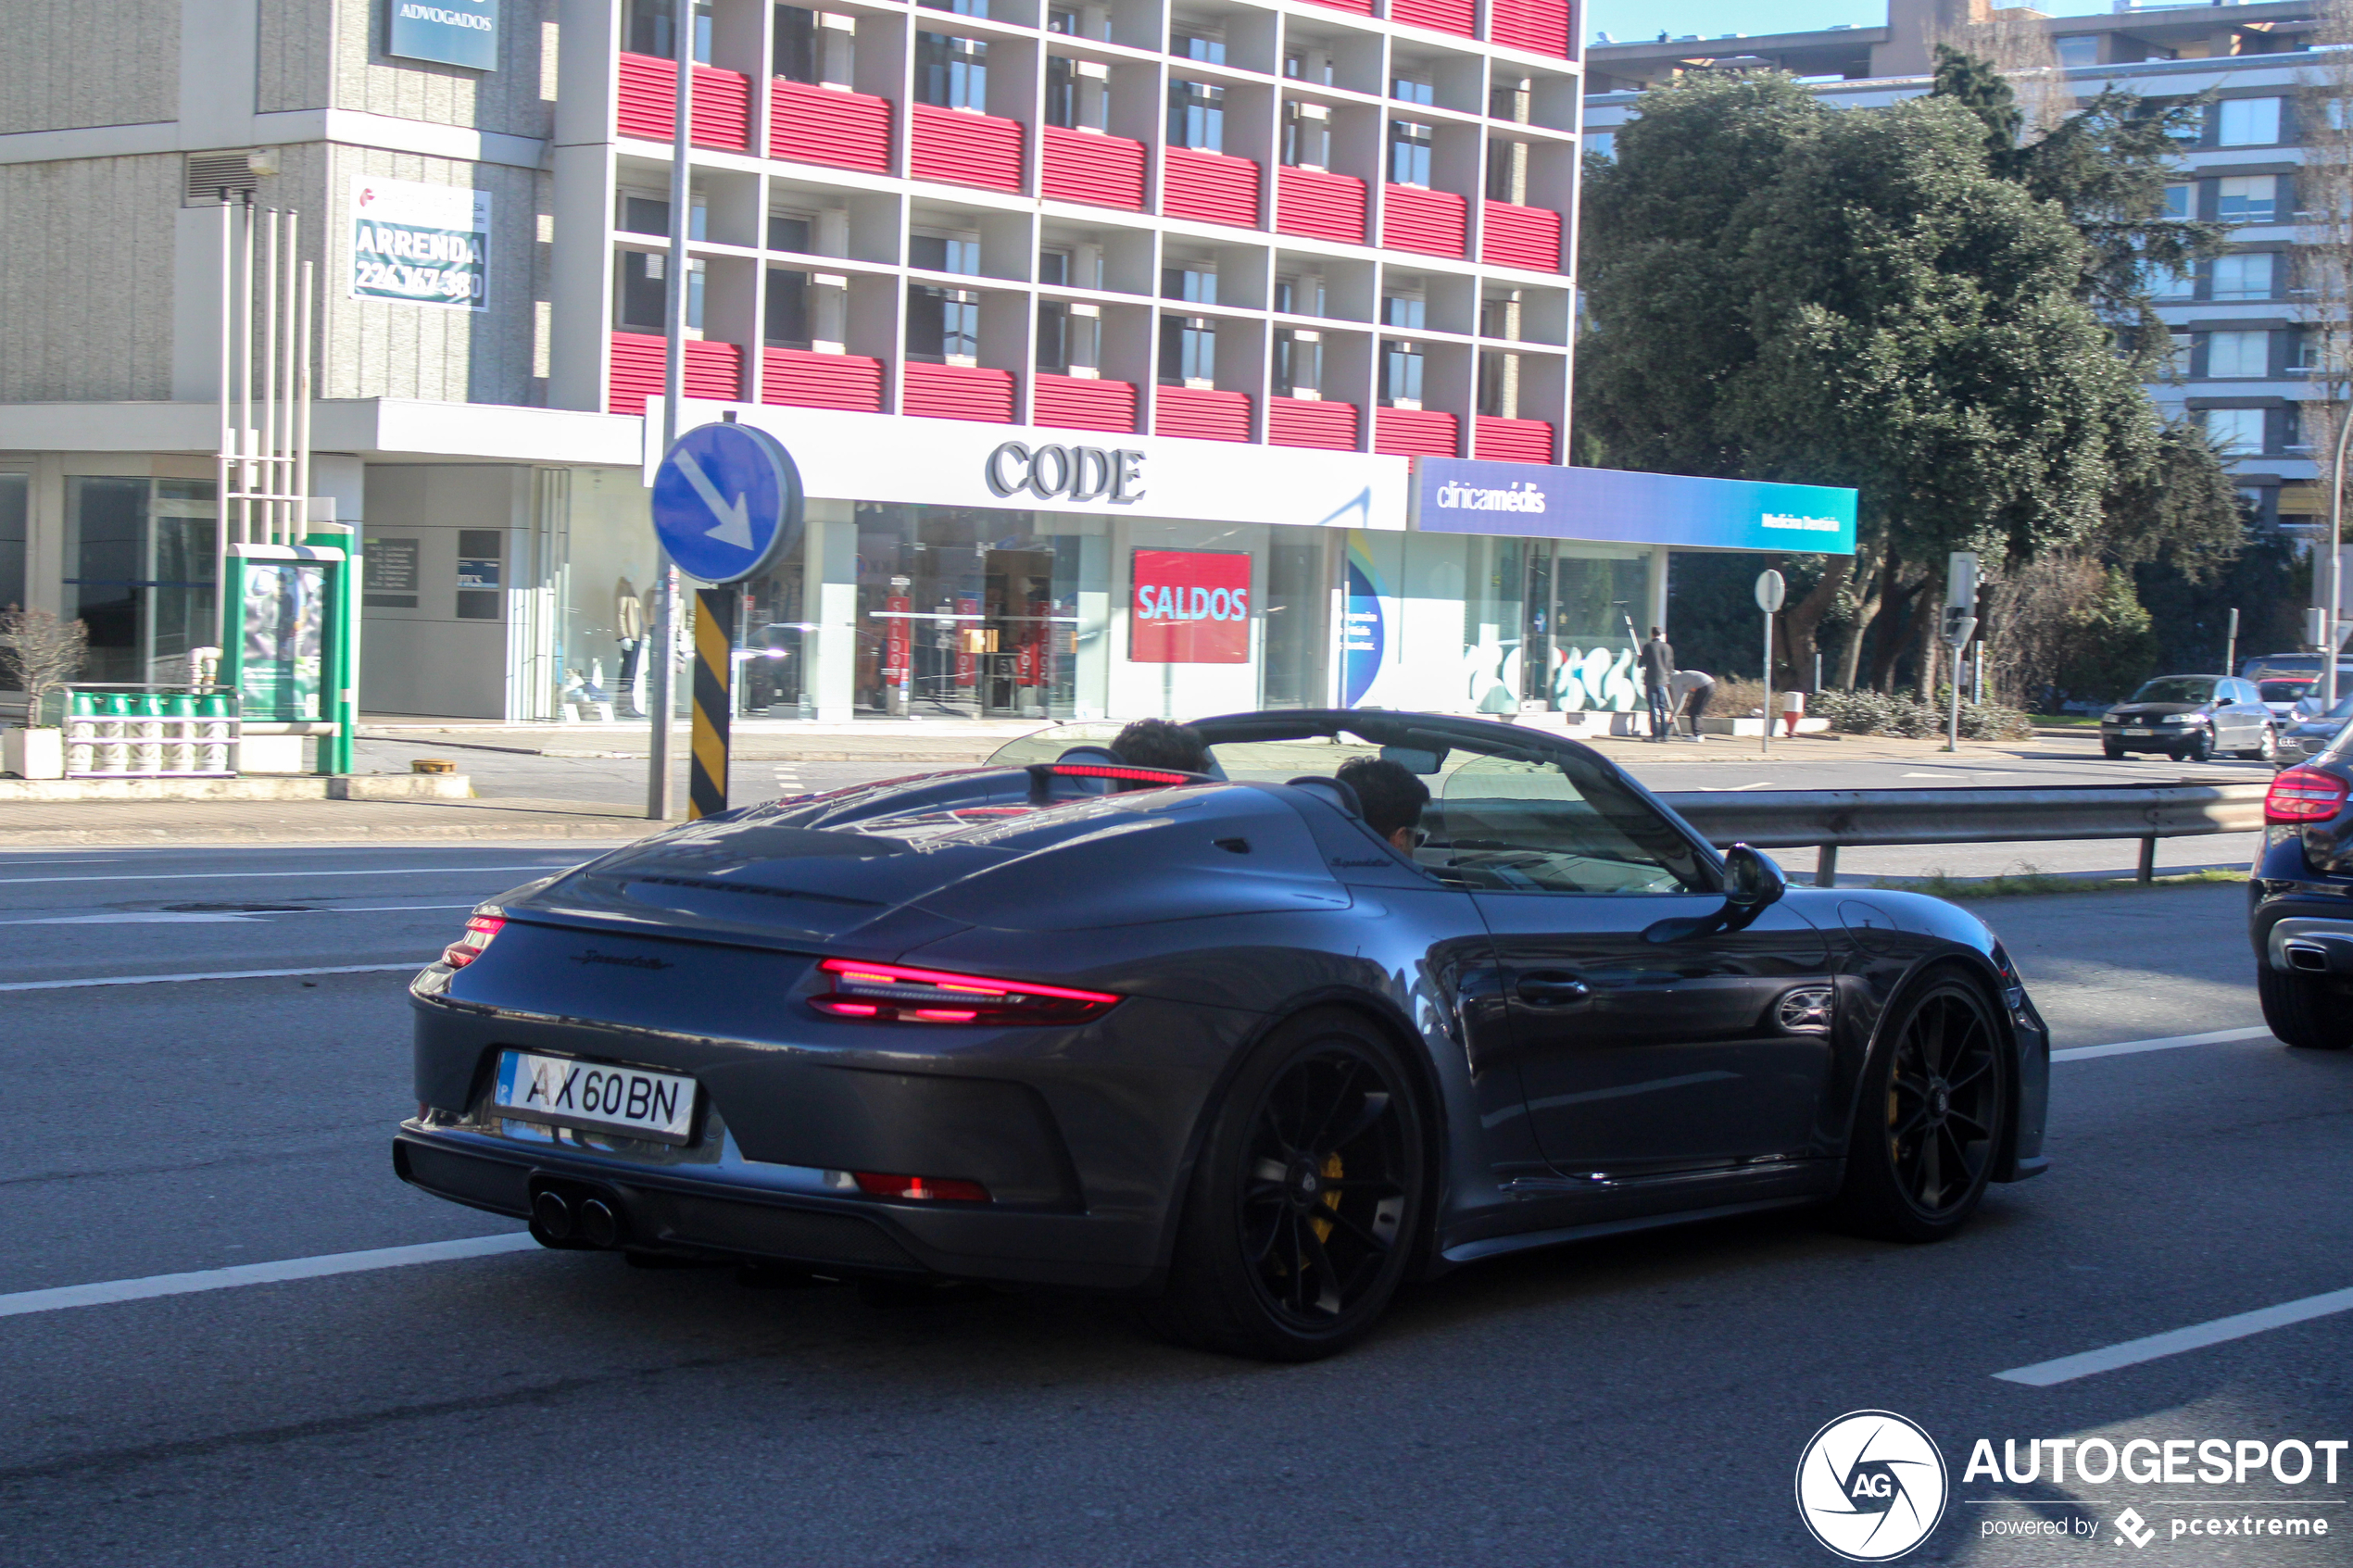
column 208, row 174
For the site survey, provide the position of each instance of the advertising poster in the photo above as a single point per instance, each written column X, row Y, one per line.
column 284, row 640
column 1190, row 607
column 419, row 244
column 1363, row 625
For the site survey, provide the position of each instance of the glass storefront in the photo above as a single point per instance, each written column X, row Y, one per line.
column 139, row 563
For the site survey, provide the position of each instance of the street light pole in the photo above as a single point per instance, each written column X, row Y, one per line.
column 2336, row 555
column 662, row 637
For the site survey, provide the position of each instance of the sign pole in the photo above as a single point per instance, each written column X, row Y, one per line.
column 663, row 637
column 714, row 701
column 1770, row 592
column 2230, row 646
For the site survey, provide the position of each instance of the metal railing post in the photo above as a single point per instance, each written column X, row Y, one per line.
column 1826, row 866
column 2148, row 872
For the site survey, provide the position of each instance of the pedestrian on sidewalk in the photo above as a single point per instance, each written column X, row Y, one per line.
column 1692, row 689
column 1658, row 673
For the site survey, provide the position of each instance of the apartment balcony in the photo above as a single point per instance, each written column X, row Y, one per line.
column 1511, row 441
column 1354, row 8
column 958, row 391
column 1082, row 403
column 1540, row 27
column 1319, row 205
column 1303, row 422
column 1457, row 17
column 712, row 370
column 648, row 104
column 1415, row 433
column 1521, row 236
column 1432, row 222
column 796, row 378
column 827, row 125
column 1085, row 166
column 1209, row 187
column 959, row 148
column 1201, row 414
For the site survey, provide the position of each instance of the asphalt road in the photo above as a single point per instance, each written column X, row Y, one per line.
column 1641, row 1400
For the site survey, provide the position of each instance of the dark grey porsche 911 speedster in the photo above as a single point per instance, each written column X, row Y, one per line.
column 1208, row 1039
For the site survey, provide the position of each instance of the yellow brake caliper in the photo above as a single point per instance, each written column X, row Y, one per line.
column 1331, row 1173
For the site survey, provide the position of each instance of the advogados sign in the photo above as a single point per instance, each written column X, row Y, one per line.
column 1190, row 607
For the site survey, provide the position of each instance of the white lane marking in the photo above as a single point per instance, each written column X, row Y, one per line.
column 2155, row 1346
column 2171, row 1042
column 185, row 917
column 221, row 974
column 113, row 1290
column 224, row 876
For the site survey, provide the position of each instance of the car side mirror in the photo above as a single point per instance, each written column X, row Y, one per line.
column 1752, row 880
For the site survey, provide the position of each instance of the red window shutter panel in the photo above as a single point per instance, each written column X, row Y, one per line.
column 723, row 109
column 1209, row 187
column 1521, row 236
column 714, row 369
column 1414, row 432
column 1100, row 170
column 1201, row 414
column 1082, row 403
column 648, row 104
column 1440, row 16
column 798, row 378
column 958, row 148
column 1303, row 422
column 1319, row 205
column 1540, row 27
column 637, row 371
column 809, row 124
column 958, row 391
column 1512, row 441
column 1429, row 221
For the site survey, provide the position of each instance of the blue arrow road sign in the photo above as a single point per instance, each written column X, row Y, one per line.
column 727, row 502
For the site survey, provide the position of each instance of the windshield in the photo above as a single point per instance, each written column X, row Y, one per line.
column 2286, row 691
column 2176, row 688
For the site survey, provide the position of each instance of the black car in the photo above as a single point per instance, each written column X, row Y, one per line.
column 1211, row 1041
column 2301, row 900
column 2309, row 732
column 2191, row 718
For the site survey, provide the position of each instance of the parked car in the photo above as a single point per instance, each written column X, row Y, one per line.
column 1215, row 1039
column 2288, row 695
column 2301, row 914
column 2265, row 667
column 2191, row 718
column 2308, row 732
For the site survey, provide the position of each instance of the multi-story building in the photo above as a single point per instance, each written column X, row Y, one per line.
column 1300, row 255
column 2241, row 355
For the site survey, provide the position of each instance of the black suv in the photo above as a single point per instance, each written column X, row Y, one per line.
column 2301, row 901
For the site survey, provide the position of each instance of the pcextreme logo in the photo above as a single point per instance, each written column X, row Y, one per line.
column 1871, row 1486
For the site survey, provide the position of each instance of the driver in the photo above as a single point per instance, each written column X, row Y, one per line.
column 1156, row 743
column 1392, row 797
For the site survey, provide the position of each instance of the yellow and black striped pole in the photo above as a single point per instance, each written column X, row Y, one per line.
column 714, row 700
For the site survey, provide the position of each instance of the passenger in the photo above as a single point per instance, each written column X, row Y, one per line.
column 1156, row 743
column 1392, row 797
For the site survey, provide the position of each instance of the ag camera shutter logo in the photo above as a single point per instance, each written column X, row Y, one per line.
column 1871, row 1486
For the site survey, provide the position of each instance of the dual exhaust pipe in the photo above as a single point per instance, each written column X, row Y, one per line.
column 576, row 1215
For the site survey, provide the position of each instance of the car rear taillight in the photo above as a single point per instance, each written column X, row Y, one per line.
column 947, row 1189
column 895, row 993
column 2304, row 795
column 484, row 923
column 1126, row 776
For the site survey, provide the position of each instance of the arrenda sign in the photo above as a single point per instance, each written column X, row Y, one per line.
column 1070, row 473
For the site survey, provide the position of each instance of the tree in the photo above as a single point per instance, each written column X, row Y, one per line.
column 41, row 654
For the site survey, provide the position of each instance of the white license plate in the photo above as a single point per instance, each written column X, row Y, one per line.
column 595, row 1094
column 2140, row 734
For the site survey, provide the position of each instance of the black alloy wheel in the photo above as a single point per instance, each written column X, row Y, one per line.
column 2303, row 1010
column 1929, row 1123
column 1306, row 1201
column 2112, row 750
column 2199, row 748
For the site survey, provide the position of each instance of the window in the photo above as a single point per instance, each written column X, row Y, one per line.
column 786, row 233
column 1508, row 100
column 2238, row 354
column 1062, row 22
column 1062, row 93
column 140, row 575
column 15, row 499
column 1053, row 268
column 1197, row 43
column 646, row 214
column 944, row 253
column 1401, row 375
column 2236, row 430
column 1498, row 316
column 645, row 287
column 2083, row 49
column 2245, row 276
column 1601, row 145
column 1187, row 351
column 2176, row 363
column 1307, row 136
column 788, row 320
column 1408, row 89
column 650, row 29
column 1053, row 336
column 1506, row 177
column 1196, row 116
column 960, row 7
column 1305, row 64
column 950, row 72
column 1410, row 311
column 1498, row 385
column 1299, row 297
column 943, row 325
column 2247, row 198
column 2303, row 352
column 1508, row 825
column 2181, row 200
column 797, row 53
column 1298, row 362
column 1194, row 282
column 2248, row 122
column 1409, row 149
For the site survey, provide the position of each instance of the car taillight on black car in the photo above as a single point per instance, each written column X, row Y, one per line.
column 895, row 993
column 2304, row 795
column 481, row 926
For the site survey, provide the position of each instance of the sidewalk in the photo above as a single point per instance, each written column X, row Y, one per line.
column 508, row 819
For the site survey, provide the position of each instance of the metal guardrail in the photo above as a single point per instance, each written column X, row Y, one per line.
column 1832, row 819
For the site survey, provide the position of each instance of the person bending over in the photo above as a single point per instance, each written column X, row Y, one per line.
column 1392, row 797
column 1156, row 743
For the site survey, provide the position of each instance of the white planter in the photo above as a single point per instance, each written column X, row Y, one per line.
column 33, row 754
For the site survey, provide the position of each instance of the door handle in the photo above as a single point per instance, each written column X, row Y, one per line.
column 1552, row 990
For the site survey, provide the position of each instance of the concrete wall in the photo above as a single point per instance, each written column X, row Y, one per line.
column 125, row 58
column 317, row 55
column 426, row 660
column 86, row 276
